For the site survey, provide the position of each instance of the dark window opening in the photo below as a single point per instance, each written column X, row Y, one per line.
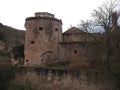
column 42, row 60
column 27, row 60
column 32, row 42
column 40, row 28
column 75, row 51
column 56, row 29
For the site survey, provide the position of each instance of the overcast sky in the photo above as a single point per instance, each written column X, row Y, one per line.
column 14, row 12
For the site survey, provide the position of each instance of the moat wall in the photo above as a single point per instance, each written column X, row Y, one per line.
column 59, row 79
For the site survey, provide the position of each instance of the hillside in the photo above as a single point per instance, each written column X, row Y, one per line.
column 11, row 36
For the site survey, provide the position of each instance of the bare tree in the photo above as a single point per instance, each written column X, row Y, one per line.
column 104, row 17
column 87, row 26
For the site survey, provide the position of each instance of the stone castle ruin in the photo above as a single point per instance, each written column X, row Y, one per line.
column 46, row 44
column 43, row 34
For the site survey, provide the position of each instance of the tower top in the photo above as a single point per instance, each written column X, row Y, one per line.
column 44, row 14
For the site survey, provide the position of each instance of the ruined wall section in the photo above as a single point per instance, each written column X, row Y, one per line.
column 74, row 52
column 57, row 79
column 41, row 41
column 75, row 37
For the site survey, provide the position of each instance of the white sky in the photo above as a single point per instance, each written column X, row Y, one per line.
column 14, row 12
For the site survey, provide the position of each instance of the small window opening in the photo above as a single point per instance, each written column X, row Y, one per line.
column 42, row 60
column 40, row 28
column 75, row 51
column 32, row 42
column 27, row 60
column 56, row 29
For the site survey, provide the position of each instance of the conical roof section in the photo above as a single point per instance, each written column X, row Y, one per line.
column 73, row 30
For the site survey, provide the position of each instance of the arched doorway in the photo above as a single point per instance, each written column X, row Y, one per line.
column 48, row 58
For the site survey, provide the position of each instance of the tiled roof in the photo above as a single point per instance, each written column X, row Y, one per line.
column 73, row 30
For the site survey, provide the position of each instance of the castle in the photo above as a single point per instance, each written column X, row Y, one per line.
column 46, row 44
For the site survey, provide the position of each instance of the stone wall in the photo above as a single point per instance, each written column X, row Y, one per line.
column 42, row 37
column 57, row 79
column 2, row 45
column 75, row 37
column 74, row 51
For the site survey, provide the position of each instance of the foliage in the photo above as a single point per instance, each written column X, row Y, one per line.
column 11, row 36
column 4, row 53
column 18, row 52
column 18, row 87
column 6, row 74
column 15, row 87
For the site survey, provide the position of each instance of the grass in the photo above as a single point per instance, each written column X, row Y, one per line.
column 19, row 87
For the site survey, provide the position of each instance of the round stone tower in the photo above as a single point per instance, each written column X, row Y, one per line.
column 43, row 33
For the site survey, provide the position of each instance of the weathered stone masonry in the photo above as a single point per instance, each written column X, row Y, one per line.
column 46, row 44
column 59, row 79
column 43, row 32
